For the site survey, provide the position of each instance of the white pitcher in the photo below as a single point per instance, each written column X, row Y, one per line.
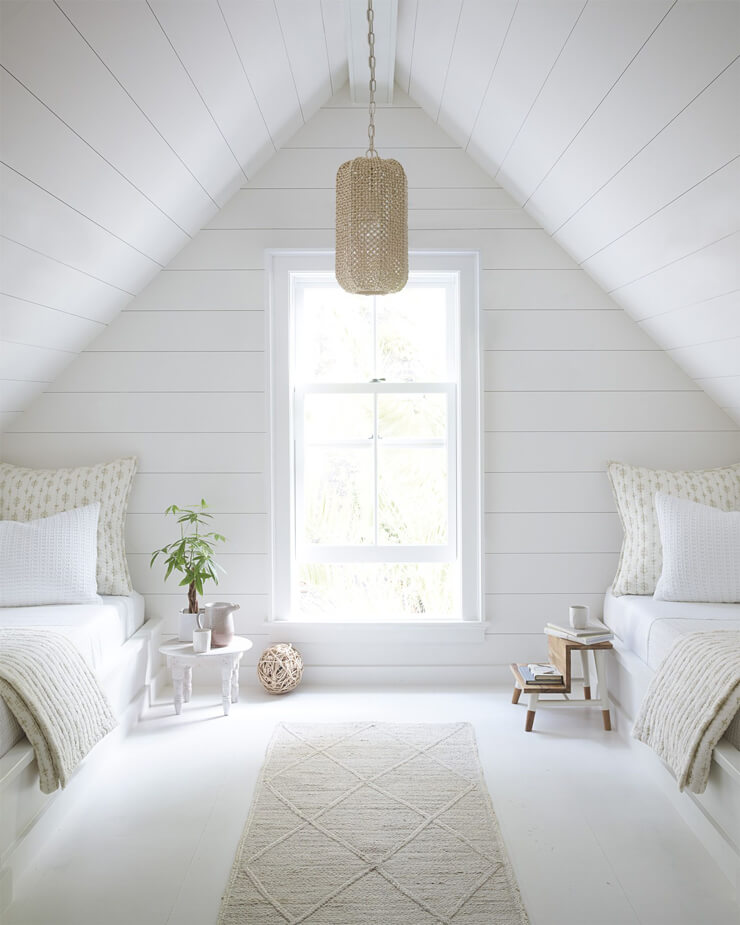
column 218, row 616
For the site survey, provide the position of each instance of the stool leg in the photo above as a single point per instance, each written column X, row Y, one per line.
column 603, row 690
column 226, row 685
column 516, row 695
column 586, row 675
column 178, row 678
column 531, row 709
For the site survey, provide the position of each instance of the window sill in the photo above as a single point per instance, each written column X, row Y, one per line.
column 433, row 632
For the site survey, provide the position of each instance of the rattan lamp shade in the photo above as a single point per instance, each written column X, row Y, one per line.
column 372, row 246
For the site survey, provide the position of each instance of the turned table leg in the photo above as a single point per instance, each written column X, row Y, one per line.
column 188, row 683
column 531, row 709
column 235, row 683
column 516, row 695
column 178, row 677
column 586, row 675
column 226, row 670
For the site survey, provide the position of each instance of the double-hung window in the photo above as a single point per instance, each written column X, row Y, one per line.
column 370, row 426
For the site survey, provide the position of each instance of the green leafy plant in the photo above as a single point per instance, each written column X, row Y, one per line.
column 193, row 554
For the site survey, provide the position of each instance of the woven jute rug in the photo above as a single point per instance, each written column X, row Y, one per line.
column 372, row 824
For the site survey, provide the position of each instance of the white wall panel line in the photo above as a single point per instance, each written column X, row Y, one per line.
column 290, row 66
column 95, row 151
column 449, row 60
column 326, row 47
column 21, row 343
column 724, row 237
column 689, row 189
column 704, row 343
column 246, row 75
column 541, row 88
column 492, row 75
column 435, row 31
column 134, row 101
column 413, row 43
column 69, row 266
column 305, row 42
column 644, row 146
column 684, row 305
column 53, row 308
column 197, row 90
column 595, row 109
column 81, row 214
column 256, row 32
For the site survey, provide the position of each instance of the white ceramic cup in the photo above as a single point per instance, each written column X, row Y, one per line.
column 578, row 616
column 201, row 640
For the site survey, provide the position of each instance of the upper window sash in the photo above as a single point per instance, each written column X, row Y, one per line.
column 447, row 281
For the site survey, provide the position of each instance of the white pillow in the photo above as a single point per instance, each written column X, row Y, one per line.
column 634, row 490
column 701, row 552
column 50, row 561
column 27, row 494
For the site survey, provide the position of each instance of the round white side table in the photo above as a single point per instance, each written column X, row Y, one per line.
column 180, row 661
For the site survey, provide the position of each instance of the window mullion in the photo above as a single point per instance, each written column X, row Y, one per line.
column 375, row 466
column 375, row 337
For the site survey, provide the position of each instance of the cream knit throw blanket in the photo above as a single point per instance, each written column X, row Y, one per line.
column 56, row 699
column 691, row 701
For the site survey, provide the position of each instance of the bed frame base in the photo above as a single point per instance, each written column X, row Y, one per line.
column 713, row 816
column 29, row 816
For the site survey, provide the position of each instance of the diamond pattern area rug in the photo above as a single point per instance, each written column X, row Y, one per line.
column 372, row 824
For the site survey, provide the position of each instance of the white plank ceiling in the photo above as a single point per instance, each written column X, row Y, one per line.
column 127, row 125
column 616, row 125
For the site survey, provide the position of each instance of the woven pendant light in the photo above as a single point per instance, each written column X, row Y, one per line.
column 372, row 241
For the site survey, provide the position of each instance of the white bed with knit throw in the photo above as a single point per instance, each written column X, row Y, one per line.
column 97, row 630
column 63, row 579
column 674, row 606
column 649, row 628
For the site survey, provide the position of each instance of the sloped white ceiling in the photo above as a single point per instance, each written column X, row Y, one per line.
column 616, row 125
column 126, row 125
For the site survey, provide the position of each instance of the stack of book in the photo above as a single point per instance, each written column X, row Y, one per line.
column 538, row 673
column 588, row 636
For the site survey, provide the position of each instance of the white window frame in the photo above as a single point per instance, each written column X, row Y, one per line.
column 464, row 404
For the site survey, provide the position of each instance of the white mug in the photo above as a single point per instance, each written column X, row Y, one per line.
column 578, row 616
column 201, row 641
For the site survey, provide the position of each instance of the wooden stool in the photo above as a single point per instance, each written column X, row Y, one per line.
column 559, row 651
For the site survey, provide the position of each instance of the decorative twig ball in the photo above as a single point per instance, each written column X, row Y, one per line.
column 280, row 668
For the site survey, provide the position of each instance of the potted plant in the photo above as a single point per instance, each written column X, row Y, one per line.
column 193, row 556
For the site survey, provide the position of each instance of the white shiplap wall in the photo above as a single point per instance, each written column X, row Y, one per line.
column 570, row 381
column 615, row 124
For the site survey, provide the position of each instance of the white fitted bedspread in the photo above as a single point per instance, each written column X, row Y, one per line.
column 97, row 630
column 649, row 627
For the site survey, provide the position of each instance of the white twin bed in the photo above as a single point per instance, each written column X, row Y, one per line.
column 98, row 631
column 116, row 642
column 645, row 630
column 648, row 628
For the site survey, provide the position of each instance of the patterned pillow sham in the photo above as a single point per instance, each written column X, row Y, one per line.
column 29, row 494
column 634, row 488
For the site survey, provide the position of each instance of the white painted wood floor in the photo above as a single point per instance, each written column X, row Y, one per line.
column 589, row 840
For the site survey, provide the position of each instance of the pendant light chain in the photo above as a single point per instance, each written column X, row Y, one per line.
column 372, row 241
column 371, row 152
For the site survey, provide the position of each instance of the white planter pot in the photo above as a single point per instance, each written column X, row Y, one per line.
column 186, row 623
